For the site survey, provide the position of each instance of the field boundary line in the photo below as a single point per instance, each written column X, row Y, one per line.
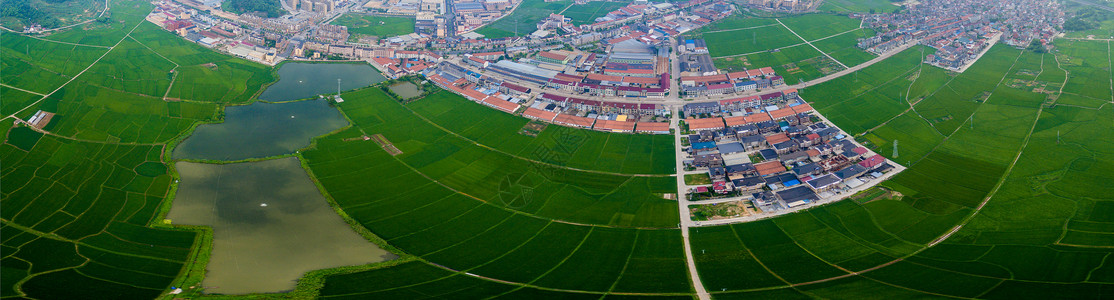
column 420, row 116
column 22, row 90
column 71, row 25
column 623, row 271
column 61, row 42
column 737, row 29
column 1001, row 181
column 834, row 35
column 751, row 253
column 442, row 223
column 810, row 43
column 525, row 285
column 957, row 128
column 59, row 238
column 39, row 130
column 483, row 202
column 13, row 115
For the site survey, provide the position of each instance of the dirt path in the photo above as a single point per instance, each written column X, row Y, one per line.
column 810, row 43
column 126, row 36
column 71, row 25
column 22, row 90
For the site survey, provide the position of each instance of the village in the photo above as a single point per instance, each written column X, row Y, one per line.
column 754, row 137
column 962, row 30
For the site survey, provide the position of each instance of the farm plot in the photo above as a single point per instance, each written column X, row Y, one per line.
column 93, row 113
column 132, row 68
column 121, row 17
column 447, row 220
column 446, row 228
column 816, row 26
column 375, row 25
column 842, row 47
column 41, row 66
column 505, row 180
column 558, row 145
column 1089, row 64
column 879, row 6
column 795, row 64
column 954, row 104
column 587, row 13
column 524, row 19
column 75, row 213
column 868, row 79
column 744, row 41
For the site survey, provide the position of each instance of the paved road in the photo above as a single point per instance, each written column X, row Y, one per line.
column 682, row 201
column 674, row 100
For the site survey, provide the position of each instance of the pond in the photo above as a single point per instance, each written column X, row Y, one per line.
column 304, row 80
column 261, row 130
column 270, row 225
column 406, row 90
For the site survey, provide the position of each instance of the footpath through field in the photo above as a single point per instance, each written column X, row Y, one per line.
column 126, row 36
column 810, row 43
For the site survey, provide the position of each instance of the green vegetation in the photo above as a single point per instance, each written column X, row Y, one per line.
column 739, row 43
column 794, row 64
column 80, row 203
column 1018, row 244
column 469, row 207
column 587, row 13
column 697, row 179
column 375, row 25
column 524, row 18
column 817, row 26
column 15, row 14
column 262, row 8
column 842, row 47
column 1016, row 152
column 743, row 41
column 865, row 6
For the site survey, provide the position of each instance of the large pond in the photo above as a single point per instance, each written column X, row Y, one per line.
column 261, row 130
column 305, row 80
column 270, row 225
column 406, row 90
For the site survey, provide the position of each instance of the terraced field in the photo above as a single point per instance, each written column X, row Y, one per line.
column 82, row 203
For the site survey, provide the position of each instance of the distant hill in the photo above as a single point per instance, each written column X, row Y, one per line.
column 15, row 14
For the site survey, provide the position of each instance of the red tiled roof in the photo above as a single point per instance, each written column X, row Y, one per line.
column 652, row 126
column 705, row 124
column 755, row 118
column 872, row 161
column 574, row 120
column 776, row 138
column 735, row 121
column 539, row 114
column 801, row 108
column 608, row 125
column 770, row 167
column 501, row 104
column 781, row 113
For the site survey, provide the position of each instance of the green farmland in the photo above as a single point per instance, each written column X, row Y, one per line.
column 1017, row 245
column 879, row 6
column 587, row 13
column 1006, row 192
column 524, row 19
column 370, row 25
column 738, row 43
